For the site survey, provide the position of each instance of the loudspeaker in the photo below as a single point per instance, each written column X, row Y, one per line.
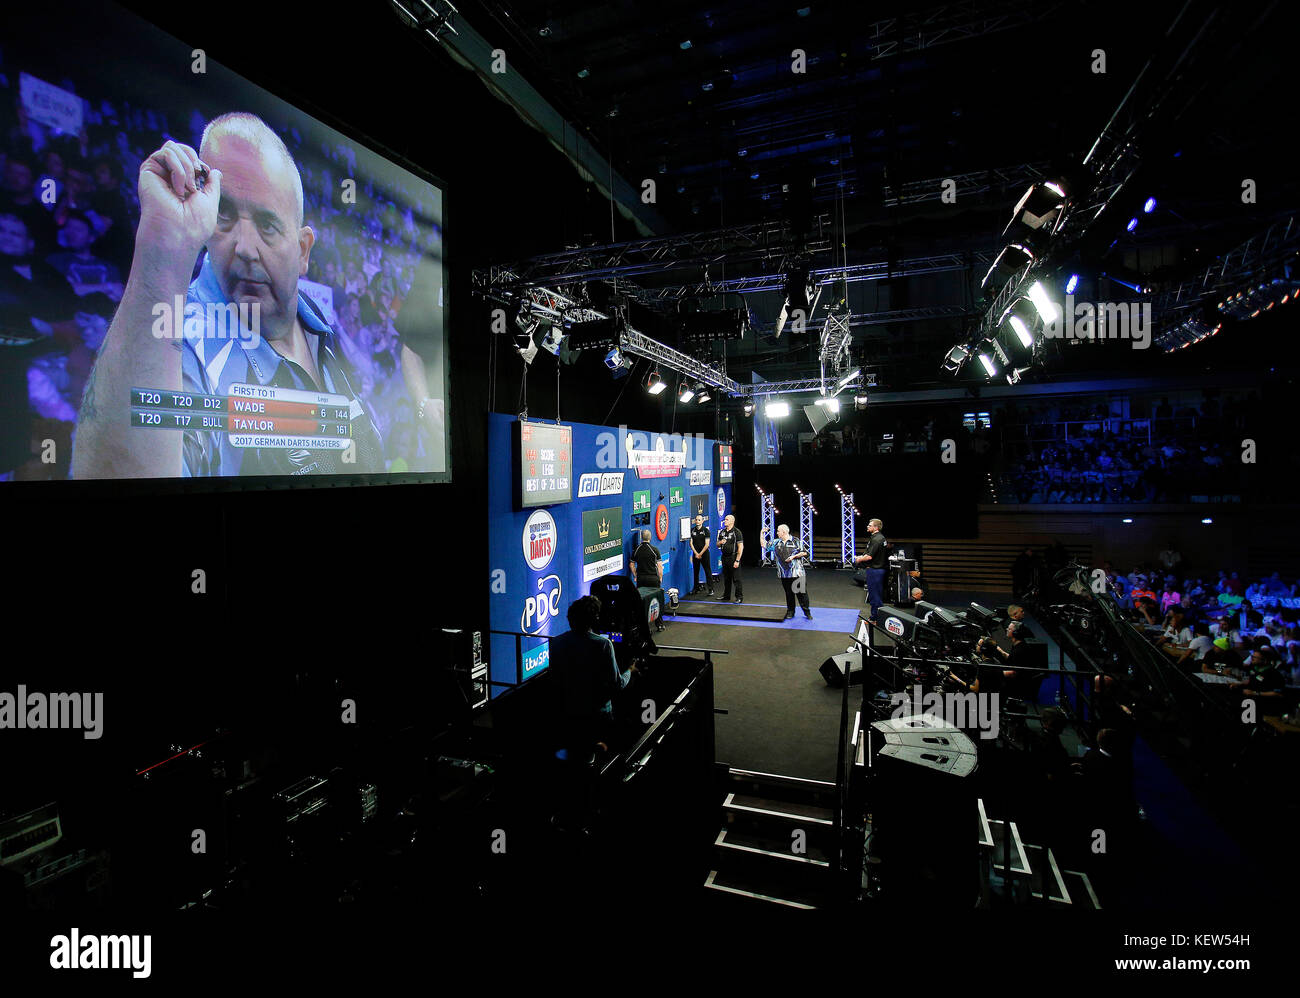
column 835, row 668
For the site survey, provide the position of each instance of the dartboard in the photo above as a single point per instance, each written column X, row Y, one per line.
column 661, row 522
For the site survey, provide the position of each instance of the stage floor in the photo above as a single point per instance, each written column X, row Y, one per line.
column 782, row 717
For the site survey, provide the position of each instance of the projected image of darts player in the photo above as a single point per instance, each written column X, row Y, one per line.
column 239, row 201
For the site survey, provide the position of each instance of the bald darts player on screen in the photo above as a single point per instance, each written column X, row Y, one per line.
column 240, row 198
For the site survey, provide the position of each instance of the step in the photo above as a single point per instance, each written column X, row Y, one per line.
column 1081, row 890
column 773, row 872
column 717, row 882
column 779, row 809
column 773, row 846
column 1049, row 884
column 783, row 789
column 755, row 817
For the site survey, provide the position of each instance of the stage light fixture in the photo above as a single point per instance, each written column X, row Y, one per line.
column 991, row 357
column 956, row 359
column 844, row 381
column 776, row 410
column 655, row 384
column 1010, row 261
column 705, row 325
column 1017, row 375
column 1072, row 284
column 830, row 404
column 617, row 363
column 860, row 401
column 800, row 295
column 1040, row 207
column 1149, row 205
column 702, row 395
column 749, row 408
column 1047, row 309
column 551, row 339
column 1132, row 224
column 595, row 333
column 686, row 394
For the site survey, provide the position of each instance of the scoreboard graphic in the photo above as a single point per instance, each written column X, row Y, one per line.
column 723, row 463
column 251, row 415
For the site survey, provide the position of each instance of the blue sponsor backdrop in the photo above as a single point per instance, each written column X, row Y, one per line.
column 535, row 601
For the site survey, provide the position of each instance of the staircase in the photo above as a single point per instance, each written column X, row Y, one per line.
column 776, row 845
column 1014, row 871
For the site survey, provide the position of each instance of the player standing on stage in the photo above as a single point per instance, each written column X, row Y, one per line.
column 731, row 542
column 789, row 569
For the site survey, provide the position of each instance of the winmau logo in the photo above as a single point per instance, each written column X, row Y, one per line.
column 1102, row 321
column 77, row 952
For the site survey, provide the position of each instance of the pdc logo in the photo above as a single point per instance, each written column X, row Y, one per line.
column 539, row 540
column 722, row 503
column 652, row 613
column 539, row 609
column 894, row 626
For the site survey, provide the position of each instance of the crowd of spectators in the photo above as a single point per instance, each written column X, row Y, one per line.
column 1247, row 630
column 68, row 214
column 1088, row 455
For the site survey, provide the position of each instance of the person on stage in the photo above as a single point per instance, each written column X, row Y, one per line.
column 731, row 542
column 700, row 542
column 789, row 569
column 877, row 564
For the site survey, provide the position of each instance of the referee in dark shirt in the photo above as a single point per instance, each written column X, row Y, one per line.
column 700, row 540
column 877, row 563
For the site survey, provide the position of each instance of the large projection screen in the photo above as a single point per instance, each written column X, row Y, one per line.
column 265, row 299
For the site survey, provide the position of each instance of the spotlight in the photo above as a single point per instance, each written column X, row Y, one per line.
column 832, row 405
column 1010, row 261
column 687, row 393
column 1039, row 208
column 702, row 395
column 1132, row 224
column 552, row 339
column 655, row 383
column 776, row 410
column 1207, row 520
column 991, row 357
column 618, row 364
column 1047, row 309
column 800, row 295
column 956, row 359
column 860, row 401
column 1072, row 284
column 749, row 408
column 1017, row 375
column 1149, row 205
column 1127, row 519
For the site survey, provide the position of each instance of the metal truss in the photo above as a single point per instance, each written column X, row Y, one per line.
column 1115, row 155
column 950, row 23
column 848, row 528
column 435, row 19
column 973, row 182
column 880, row 270
column 760, row 389
column 640, row 345
column 768, row 503
column 773, row 239
column 835, row 340
column 806, row 512
column 1253, row 259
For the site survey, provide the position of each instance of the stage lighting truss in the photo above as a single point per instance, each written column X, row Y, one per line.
column 836, row 338
column 434, row 16
column 1189, row 331
column 1258, row 299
